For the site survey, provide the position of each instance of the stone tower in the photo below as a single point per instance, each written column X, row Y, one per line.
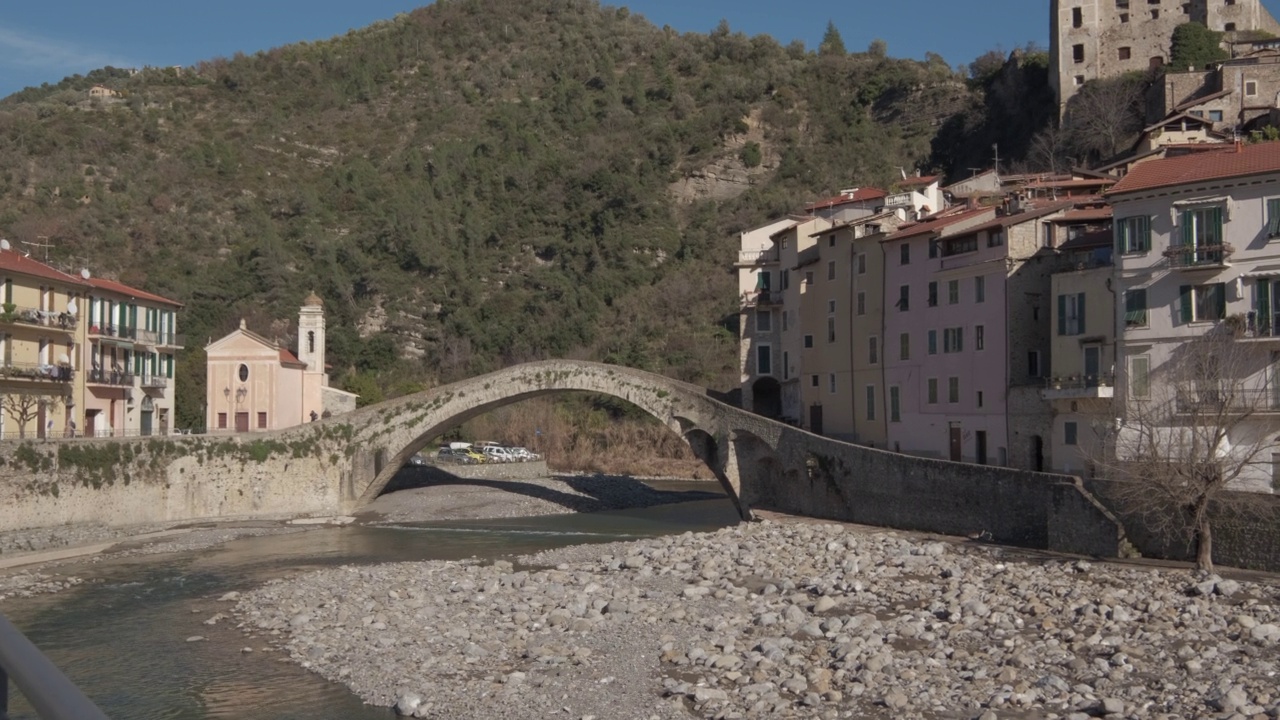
column 1091, row 39
column 311, row 333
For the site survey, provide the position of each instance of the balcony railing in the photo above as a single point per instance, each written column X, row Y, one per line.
column 757, row 298
column 117, row 378
column 757, row 257
column 1101, row 385
column 158, row 338
column 155, row 382
column 38, row 371
column 11, row 314
column 1236, row 401
column 1191, row 257
column 1265, row 327
column 113, row 331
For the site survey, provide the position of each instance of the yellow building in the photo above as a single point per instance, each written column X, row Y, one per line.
column 41, row 337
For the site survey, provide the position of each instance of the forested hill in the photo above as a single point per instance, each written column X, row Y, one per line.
column 476, row 183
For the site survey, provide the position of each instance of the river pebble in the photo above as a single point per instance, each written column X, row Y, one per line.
column 782, row 620
column 29, row 584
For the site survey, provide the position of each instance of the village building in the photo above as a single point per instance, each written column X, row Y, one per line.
column 256, row 385
column 759, row 320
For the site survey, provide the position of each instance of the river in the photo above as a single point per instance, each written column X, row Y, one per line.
column 122, row 636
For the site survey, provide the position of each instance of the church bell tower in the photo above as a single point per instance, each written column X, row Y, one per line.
column 311, row 333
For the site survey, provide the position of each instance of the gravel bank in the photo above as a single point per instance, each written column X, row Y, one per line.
column 476, row 499
column 29, row 584
column 782, row 620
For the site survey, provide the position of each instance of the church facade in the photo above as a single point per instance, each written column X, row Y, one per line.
column 255, row 385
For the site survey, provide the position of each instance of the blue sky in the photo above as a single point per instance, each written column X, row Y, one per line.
column 44, row 41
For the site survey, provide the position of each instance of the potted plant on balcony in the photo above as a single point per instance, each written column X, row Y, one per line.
column 8, row 312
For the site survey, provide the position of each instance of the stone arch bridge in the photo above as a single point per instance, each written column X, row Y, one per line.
column 340, row 464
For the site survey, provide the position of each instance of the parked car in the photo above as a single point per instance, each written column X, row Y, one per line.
column 417, row 459
column 474, row 456
column 523, row 454
column 497, row 453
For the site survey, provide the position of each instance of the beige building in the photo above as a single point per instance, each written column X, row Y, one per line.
column 255, row 385
column 797, row 255
column 131, row 345
column 759, row 320
column 41, row 383
column 1092, row 39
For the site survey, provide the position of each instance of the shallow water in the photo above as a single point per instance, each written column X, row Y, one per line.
column 122, row 637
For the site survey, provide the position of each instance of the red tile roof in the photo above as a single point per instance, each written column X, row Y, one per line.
column 14, row 261
column 122, row 289
column 913, row 181
column 1087, row 182
column 288, row 358
column 859, row 195
column 936, row 222
column 1086, row 215
column 1200, row 167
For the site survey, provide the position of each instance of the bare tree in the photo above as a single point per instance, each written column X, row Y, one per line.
column 25, row 407
column 1106, row 115
column 1192, row 432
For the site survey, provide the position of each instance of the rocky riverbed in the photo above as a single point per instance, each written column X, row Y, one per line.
column 782, row 619
column 30, row 584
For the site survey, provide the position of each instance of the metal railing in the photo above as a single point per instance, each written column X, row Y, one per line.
column 1233, row 400
column 35, row 316
column 50, row 692
column 154, row 382
column 36, row 371
column 1193, row 256
column 102, row 376
column 1079, row 382
column 757, row 257
column 113, row 331
column 156, row 338
column 761, row 297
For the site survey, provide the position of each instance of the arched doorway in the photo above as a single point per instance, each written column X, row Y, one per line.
column 766, row 397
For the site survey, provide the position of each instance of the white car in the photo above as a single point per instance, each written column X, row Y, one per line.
column 496, row 453
column 523, row 454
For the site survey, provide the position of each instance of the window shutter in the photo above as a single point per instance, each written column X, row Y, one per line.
column 1188, row 229
column 1121, row 244
column 1264, row 305
column 1062, row 314
column 1220, row 291
column 1080, row 313
column 1273, row 217
column 1145, row 223
column 1215, row 227
column 1184, row 292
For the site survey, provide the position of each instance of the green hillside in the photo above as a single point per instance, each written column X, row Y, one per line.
column 476, row 183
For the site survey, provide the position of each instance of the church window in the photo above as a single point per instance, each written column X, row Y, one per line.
column 311, row 341
column 244, row 373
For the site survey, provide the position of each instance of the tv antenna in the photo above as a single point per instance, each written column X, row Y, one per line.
column 42, row 241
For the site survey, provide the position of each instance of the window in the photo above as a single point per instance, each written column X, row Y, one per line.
column 904, row 254
column 831, row 383
column 1229, row 27
column 1077, row 17
column 786, row 279
column 904, row 346
column 862, row 303
column 763, row 280
column 1133, row 234
column 222, row 421
column 933, row 249
column 311, row 341
column 808, row 277
column 953, row 340
column 1215, row 115
column 1077, row 53
column 1201, row 229
column 931, row 396
column 933, row 342
column 979, row 337
column 1273, row 217
column 786, row 365
column 813, row 380
column 262, row 421
column 1069, row 433
column 1071, row 314
column 1250, row 88
column 1135, row 308
column 764, row 360
column 980, row 403
column 980, row 289
column 244, row 372
column 1079, row 80
column 1124, row 53
column 1046, row 235
column 1033, row 363
column 1203, row 303
column 831, row 307
column 831, row 329
column 831, row 269
column 995, row 238
column 808, row 341
column 831, row 241
column 895, row 411
column 871, row 402
column 953, row 390
column 873, row 350
column 904, row 298
column 933, row 294
column 1124, row 18
column 862, row 263
column 764, row 321
column 953, row 292
column 960, row 245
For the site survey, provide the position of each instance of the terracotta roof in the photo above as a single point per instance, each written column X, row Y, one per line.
column 313, row 300
column 122, row 289
column 936, row 222
column 1179, row 116
column 865, row 219
column 14, row 261
column 913, row 181
column 1087, row 182
column 1004, row 221
column 859, row 195
column 1199, row 167
column 1086, row 215
column 288, row 358
column 1202, row 100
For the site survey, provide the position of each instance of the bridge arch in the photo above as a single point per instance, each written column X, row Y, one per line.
column 387, row 435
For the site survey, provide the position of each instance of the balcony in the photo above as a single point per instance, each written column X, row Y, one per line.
column 1199, row 257
column 38, row 372
column 155, row 382
column 1079, row 387
column 11, row 314
column 757, row 257
column 157, row 338
column 113, row 378
column 1230, row 402
column 761, row 298
column 113, row 331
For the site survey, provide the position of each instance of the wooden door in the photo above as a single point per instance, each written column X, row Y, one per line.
column 956, row 446
column 980, row 440
column 815, row 419
column 242, row 422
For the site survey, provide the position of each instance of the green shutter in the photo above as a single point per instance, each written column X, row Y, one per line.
column 1062, row 314
column 1080, row 313
column 1184, row 293
column 1215, row 226
column 1273, row 217
column 1144, row 224
column 1188, row 229
column 1220, row 293
column 1264, row 306
column 1122, row 244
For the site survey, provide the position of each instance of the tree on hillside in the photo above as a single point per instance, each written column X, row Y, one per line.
column 1195, row 46
column 832, row 43
column 1191, row 432
column 1106, row 115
